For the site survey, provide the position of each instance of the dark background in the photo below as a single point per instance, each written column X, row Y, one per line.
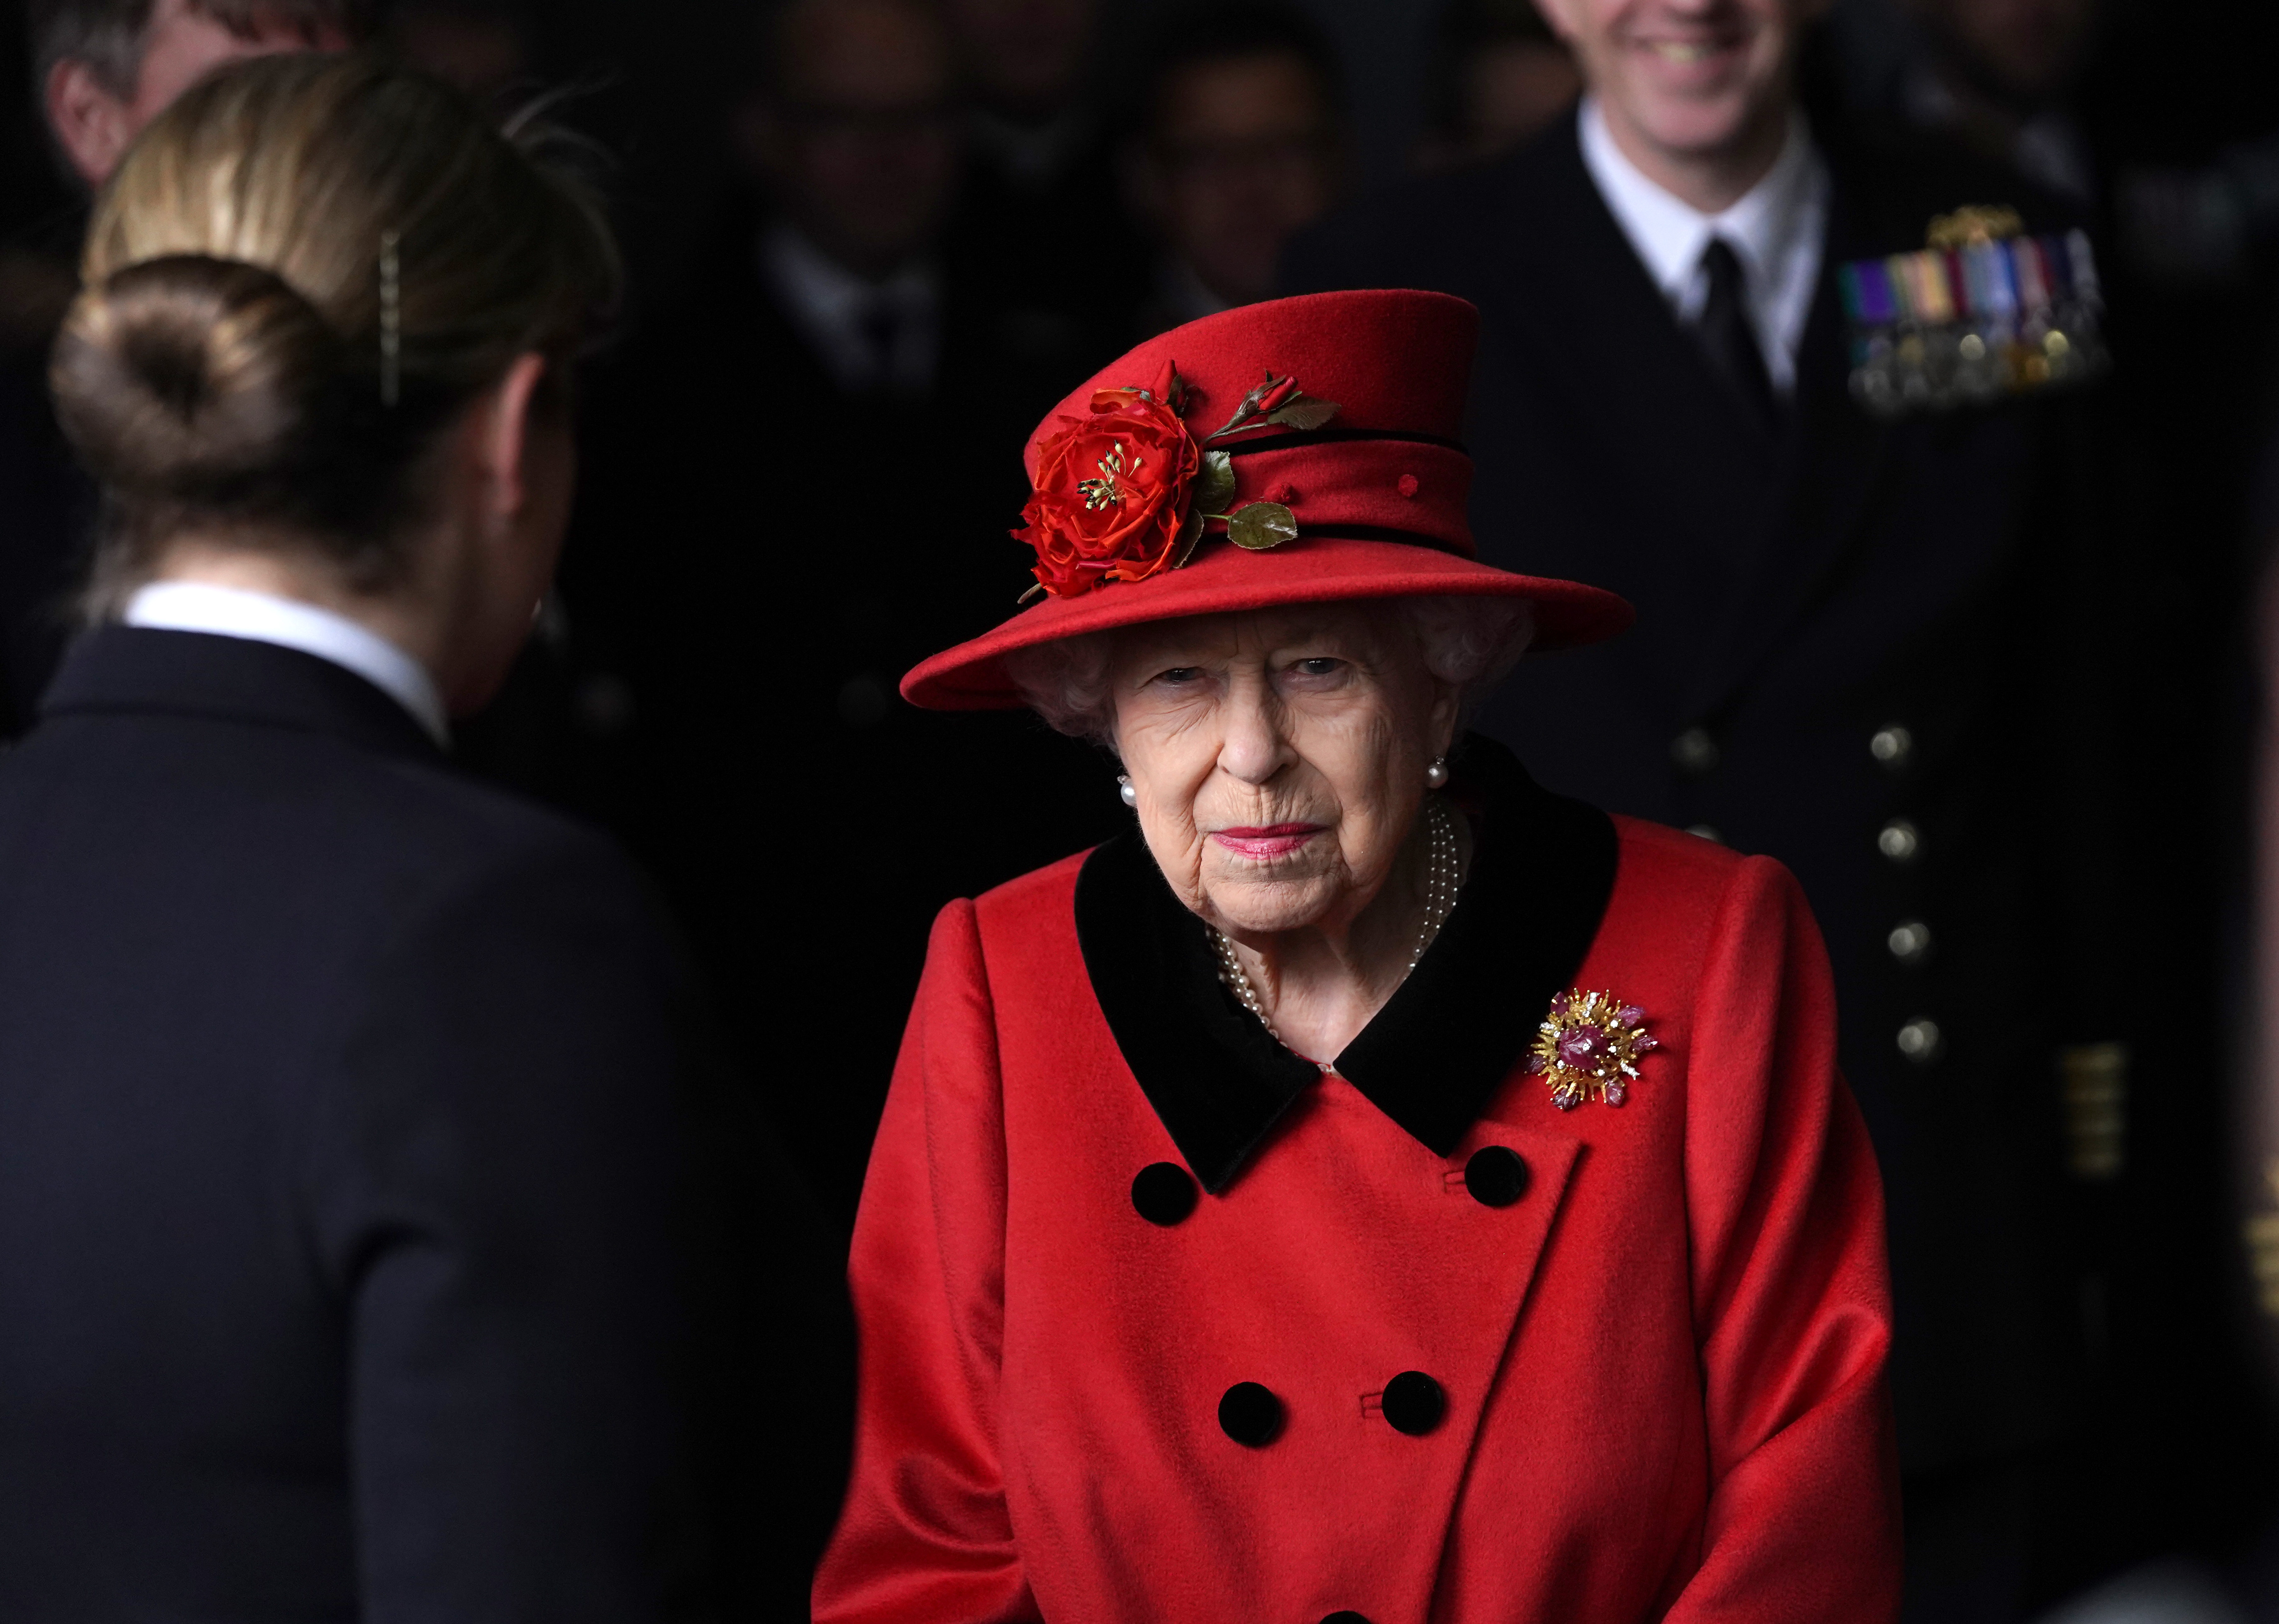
column 2173, row 89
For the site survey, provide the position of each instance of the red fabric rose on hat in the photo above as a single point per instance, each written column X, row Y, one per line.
column 1111, row 492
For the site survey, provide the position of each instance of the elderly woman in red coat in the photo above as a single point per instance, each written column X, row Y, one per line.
column 1375, row 1187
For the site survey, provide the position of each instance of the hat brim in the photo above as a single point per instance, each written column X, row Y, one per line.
column 1221, row 579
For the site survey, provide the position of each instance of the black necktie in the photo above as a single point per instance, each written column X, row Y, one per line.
column 882, row 331
column 1729, row 338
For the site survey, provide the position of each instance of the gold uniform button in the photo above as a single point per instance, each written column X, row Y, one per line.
column 1891, row 745
column 1909, row 941
column 1920, row 1040
column 1695, row 751
column 1899, row 840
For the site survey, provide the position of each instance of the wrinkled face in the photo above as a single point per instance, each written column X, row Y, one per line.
column 1686, row 77
column 1244, row 152
column 1279, row 757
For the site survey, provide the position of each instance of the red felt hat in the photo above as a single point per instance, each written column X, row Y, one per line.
column 1301, row 451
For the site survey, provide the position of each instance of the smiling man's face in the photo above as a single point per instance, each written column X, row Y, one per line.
column 1686, row 80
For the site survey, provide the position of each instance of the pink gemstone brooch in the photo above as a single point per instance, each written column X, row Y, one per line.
column 1589, row 1048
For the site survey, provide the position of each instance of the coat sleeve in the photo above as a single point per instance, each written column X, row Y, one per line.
column 926, row 1535
column 1792, row 1294
column 492, row 1187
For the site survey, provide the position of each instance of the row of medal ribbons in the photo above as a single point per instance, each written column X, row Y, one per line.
column 1948, row 326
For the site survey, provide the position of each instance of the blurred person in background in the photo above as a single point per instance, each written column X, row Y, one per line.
column 364, row 1247
column 1040, row 195
column 1241, row 142
column 484, row 47
column 853, row 135
column 102, row 69
column 759, row 453
column 2155, row 122
column 1500, row 75
column 108, row 67
column 1871, row 646
column 1998, row 75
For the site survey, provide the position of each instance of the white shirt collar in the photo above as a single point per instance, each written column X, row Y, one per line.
column 1775, row 230
column 828, row 304
column 262, row 618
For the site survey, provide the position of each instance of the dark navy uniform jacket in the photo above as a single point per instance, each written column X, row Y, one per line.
column 1866, row 648
column 345, row 1116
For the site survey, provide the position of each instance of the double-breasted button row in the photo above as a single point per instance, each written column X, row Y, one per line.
column 1253, row 1413
column 1165, row 1192
column 1909, row 941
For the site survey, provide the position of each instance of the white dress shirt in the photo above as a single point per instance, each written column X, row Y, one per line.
column 1775, row 231
column 262, row 618
column 834, row 307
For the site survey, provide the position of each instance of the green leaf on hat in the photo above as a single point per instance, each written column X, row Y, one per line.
column 1259, row 525
column 1191, row 530
column 1214, row 484
column 1303, row 413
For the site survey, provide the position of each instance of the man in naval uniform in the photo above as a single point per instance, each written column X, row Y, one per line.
column 1867, row 646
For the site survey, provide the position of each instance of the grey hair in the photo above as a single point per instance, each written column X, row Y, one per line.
column 1471, row 642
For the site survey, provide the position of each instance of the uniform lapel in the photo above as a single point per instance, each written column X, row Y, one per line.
column 1836, row 462
column 1612, row 399
column 1580, row 294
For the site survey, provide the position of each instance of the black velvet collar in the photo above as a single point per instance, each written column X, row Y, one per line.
column 1542, row 870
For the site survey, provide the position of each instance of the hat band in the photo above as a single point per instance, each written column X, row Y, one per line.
column 1334, row 532
column 1332, row 437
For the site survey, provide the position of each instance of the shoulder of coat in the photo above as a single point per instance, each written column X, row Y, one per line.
column 1040, row 896
column 1674, row 863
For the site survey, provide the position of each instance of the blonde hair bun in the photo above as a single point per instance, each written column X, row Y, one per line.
column 301, row 272
column 199, row 380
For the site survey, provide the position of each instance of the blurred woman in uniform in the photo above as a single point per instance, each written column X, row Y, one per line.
column 341, row 1160
column 1374, row 1187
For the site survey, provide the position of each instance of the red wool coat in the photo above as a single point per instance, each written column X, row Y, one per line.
column 1655, row 1345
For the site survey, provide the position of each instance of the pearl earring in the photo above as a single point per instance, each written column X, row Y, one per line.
column 1131, row 797
column 1436, row 776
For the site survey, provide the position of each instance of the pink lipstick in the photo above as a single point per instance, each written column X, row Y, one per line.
column 1272, row 840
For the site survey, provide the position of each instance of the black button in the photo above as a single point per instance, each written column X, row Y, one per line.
column 1414, row 1402
column 1250, row 1415
column 1347, row 1618
column 1164, row 1193
column 1496, row 1176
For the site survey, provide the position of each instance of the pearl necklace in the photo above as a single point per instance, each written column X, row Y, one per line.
column 1441, row 880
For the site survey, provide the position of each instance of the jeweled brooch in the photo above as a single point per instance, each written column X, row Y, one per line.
column 1590, row 1048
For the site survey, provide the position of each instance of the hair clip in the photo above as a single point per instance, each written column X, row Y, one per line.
column 391, row 317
